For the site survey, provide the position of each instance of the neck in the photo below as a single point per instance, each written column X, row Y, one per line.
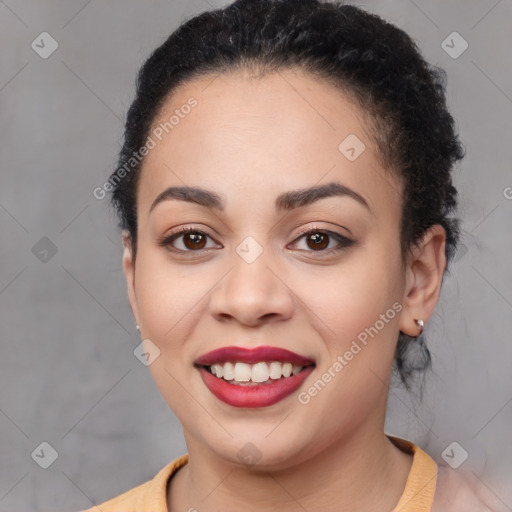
column 365, row 472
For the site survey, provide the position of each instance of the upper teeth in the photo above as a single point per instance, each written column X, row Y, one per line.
column 259, row 372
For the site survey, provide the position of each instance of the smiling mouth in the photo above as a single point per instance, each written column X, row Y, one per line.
column 261, row 373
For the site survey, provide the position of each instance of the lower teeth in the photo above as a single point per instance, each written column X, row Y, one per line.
column 251, row 383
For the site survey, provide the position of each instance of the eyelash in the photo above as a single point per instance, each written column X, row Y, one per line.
column 344, row 241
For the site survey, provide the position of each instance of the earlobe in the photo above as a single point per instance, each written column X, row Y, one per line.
column 129, row 272
column 424, row 275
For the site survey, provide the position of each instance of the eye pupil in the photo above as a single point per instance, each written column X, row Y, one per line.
column 320, row 240
column 195, row 238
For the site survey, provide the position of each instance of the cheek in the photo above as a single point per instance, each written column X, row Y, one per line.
column 352, row 298
column 166, row 298
column 166, row 294
column 356, row 313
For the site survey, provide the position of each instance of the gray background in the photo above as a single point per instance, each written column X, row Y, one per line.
column 68, row 374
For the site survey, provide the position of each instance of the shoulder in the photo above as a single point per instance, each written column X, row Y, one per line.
column 150, row 495
column 127, row 501
column 458, row 491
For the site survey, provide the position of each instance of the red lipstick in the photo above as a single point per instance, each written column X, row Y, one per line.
column 253, row 395
column 252, row 356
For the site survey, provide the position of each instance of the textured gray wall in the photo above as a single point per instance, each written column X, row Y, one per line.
column 68, row 375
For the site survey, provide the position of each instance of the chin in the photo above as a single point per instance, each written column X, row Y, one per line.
column 260, row 453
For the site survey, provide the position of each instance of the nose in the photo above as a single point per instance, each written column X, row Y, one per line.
column 251, row 294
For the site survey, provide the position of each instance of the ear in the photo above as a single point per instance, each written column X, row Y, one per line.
column 129, row 272
column 424, row 275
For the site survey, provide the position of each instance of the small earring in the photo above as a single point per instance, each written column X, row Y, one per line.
column 137, row 326
column 420, row 325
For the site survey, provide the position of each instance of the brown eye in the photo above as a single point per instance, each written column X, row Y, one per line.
column 194, row 241
column 317, row 240
column 186, row 240
column 323, row 242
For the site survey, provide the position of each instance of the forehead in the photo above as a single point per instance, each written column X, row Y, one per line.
column 282, row 131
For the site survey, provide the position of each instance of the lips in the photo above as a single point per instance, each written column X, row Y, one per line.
column 250, row 394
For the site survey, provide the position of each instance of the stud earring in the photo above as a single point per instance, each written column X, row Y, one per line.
column 137, row 326
column 420, row 325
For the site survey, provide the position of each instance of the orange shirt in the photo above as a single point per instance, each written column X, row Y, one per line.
column 418, row 494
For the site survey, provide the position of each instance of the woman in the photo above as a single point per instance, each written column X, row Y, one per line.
column 286, row 200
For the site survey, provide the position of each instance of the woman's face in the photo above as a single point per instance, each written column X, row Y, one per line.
column 248, row 277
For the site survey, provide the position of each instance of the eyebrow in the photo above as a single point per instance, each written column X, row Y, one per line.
column 285, row 201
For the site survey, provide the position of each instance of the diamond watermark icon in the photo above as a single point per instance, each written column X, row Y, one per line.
column 249, row 249
column 454, row 455
column 454, row 45
column 45, row 455
column 44, row 45
column 249, row 454
column 146, row 352
column 352, row 147
column 44, row 250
